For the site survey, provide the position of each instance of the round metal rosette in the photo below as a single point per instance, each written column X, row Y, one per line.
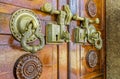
column 28, row 66
column 92, row 8
column 92, row 59
column 19, row 23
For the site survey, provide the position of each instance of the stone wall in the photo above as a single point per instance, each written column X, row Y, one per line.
column 113, row 38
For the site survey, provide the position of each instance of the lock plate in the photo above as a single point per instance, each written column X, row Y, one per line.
column 80, row 35
column 19, row 21
column 53, row 34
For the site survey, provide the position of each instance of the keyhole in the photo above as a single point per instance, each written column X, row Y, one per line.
column 56, row 37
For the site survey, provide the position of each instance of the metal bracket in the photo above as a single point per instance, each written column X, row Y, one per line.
column 57, row 33
column 88, row 31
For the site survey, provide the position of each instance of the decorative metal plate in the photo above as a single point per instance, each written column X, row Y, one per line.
column 18, row 23
column 92, row 8
column 28, row 66
column 92, row 59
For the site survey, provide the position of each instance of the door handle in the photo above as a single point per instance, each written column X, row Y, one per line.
column 57, row 33
column 88, row 32
column 25, row 27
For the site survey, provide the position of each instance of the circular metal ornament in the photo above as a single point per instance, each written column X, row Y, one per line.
column 92, row 8
column 92, row 59
column 28, row 66
column 19, row 21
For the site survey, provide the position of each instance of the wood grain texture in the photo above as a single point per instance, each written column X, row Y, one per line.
column 64, row 61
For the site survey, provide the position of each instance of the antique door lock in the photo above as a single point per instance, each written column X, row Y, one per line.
column 57, row 33
column 25, row 27
column 88, row 32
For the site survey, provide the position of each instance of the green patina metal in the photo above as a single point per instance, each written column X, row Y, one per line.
column 25, row 27
column 88, row 32
column 57, row 33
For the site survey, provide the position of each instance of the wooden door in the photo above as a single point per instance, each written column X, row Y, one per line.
column 64, row 61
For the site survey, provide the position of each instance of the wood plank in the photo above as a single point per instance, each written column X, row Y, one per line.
column 93, row 75
column 85, row 69
column 103, row 57
column 61, row 3
column 74, row 50
column 81, row 8
column 8, row 40
column 74, row 6
column 63, row 61
column 10, row 9
column 54, row 58
column 8, row 57
column 49, row 60
column 4, row 23
column 62, row 51
column 72, row 54
column 31, row 4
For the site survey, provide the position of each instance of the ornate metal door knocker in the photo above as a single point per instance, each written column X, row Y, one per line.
column 88, row 32
column 57, row 33
column 92, row 8
column 25, row 27
column 28, row 66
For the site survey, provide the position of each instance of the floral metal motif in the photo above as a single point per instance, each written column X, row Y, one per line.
column 28, row 66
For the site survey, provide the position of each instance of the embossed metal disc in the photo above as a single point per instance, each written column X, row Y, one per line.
column 92, row 9
column 92, row 59
column 18, row 22
column 28, row 66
